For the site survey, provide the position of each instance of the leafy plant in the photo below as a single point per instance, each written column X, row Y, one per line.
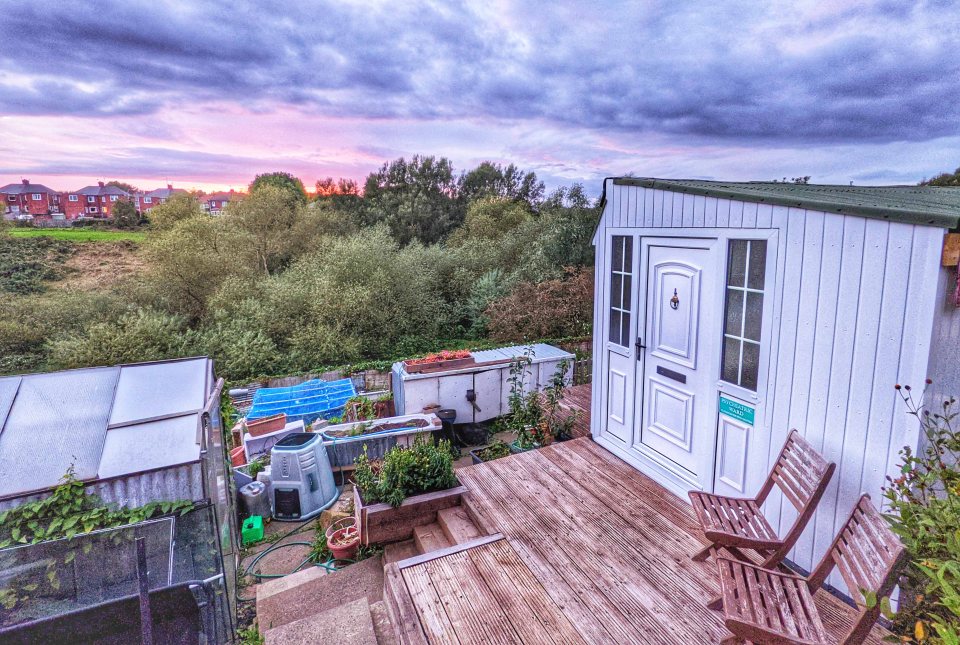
column 536, row 417
column 495, row 450
column 925, row 513
column 258, row 465
column 403, row 472
column 360, row 408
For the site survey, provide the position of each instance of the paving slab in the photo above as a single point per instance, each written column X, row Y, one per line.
column 347, row 624
column 311, row 591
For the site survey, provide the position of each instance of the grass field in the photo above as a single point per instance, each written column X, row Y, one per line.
column 79, row 234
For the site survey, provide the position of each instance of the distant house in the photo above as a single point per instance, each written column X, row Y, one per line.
column 214, row 203
column 93, row 201
column 146, row 201
column 26, row 200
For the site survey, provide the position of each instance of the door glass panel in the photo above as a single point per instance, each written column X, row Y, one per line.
column 616, row 290
column 737, row 265
column 754, row 316
column 751, row 366
column 734, row 317
column 758, row 264
column 617, row 259
column 615, row 327
column 627, row 291
column 731, row 360
column 743, row 312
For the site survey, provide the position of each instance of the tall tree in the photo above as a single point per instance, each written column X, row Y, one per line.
column 417, row 199
column 178, row 207
column 493, row 180
column 283, row 180
column 125, row 214
column 944, row 179
column 122, row 185
column 268, row 217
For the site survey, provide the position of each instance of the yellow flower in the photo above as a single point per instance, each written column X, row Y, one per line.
column 919, row 632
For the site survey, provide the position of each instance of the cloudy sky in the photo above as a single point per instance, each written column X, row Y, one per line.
column 207, row 94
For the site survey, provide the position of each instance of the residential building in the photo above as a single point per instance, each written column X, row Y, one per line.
column 93, row 201
column 214, row 203
column 26, row 199
column 146, row 201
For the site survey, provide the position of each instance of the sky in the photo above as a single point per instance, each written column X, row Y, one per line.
column 208, row 94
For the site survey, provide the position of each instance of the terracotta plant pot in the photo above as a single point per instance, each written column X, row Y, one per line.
column 343, row 539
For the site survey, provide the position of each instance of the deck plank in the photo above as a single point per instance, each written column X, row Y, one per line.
column 594, row 551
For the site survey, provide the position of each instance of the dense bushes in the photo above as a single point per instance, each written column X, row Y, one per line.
column 25, row 263
column 925, row 513
column 423, row 260
column 555, row 308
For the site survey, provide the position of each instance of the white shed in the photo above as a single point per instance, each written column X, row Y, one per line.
column 728, row 313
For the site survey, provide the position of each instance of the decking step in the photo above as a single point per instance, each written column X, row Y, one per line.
column 457, row 525
column 382, row 626
column 348, row 624
column 430, row 537
column 399, row 551
column 310, row 592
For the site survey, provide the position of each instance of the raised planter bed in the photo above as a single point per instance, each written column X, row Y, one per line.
column 438, row 366
column 379, row 436
column 477, row 454
column 381, row 523
column 266, row 425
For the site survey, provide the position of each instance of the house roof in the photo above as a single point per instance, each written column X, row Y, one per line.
column 927, row 205
column 222, row 196
column 103, row 189
column 21, row 188
column 165, row 193
column 105, row 421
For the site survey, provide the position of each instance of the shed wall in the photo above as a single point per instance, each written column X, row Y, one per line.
column 853, row 303
column 944, row 367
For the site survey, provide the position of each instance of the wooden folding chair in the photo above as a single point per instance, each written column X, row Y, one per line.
column 800, row 473
column 765, row 606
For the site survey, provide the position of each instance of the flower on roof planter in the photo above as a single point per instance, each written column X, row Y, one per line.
column 439, row 362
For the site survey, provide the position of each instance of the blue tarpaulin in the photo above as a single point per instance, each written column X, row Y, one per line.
column 308, row 401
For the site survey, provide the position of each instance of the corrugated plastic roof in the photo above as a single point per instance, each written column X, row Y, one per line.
column 926, row 205
column 50, row 421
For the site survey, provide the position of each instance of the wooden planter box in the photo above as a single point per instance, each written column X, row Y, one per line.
column 266, row 425
column 380, row 523
column 439, row 366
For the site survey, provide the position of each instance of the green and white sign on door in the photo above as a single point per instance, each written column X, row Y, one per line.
column 736, row 410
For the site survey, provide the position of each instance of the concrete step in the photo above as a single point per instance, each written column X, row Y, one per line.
column 348, row 624
column 386, row 635
column 430, row 537
column 309, row 592
column 457, row 525
column 399, row 551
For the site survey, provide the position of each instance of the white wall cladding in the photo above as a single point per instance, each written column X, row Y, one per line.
column 945, row 344
column 853, row 309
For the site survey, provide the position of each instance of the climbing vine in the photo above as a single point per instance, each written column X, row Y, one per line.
column 69, row 511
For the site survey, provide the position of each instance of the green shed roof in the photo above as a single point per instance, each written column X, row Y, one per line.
column 927, row 205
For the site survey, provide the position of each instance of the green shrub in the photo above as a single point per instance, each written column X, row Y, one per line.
column 551, row 309
column 27, row 262
column 404, row 472
column 925, row 514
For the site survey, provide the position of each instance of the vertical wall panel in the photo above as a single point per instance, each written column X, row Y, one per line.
column 823, row 345
column 749, row 215
column 699, row 211
column 710, row 212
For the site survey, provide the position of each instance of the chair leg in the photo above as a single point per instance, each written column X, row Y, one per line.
column 732, row 640
column 702, row 554
column 716, row 604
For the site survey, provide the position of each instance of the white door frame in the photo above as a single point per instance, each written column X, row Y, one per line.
column 663, row 473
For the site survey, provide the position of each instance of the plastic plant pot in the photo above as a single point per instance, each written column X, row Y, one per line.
column 343, row 538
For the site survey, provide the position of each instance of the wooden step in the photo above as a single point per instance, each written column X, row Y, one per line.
column 457, row 525
column 430, row 537
column 348, row 624
column 399, row 551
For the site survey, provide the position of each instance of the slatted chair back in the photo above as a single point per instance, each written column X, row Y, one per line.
column 802, row 474
column 869, row 557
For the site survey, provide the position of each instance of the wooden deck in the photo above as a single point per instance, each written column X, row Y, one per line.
column 590, row 543
column 577, row 399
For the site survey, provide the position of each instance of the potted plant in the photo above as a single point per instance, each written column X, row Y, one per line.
column 496, row 450
column 536, row 417
column 405, row 489
column 343, row 539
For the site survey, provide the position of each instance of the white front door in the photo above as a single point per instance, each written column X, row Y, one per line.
column 677, row 352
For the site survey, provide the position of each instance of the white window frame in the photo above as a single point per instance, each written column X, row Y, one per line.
column 73, row 198
column 148, row 200
column 626, row 294
column 113, row 198
column 744, row 289
column 36, row 197
column 91, row 199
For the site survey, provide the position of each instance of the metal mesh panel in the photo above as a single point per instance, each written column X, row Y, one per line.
column 52, row 578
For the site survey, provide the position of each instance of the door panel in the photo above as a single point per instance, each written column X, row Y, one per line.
column 620, row 396
column 674, row 331
column 677, row 372
column 733, row 437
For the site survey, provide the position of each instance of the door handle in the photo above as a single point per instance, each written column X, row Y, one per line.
column 640, row 347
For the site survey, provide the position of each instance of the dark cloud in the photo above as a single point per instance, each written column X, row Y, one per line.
column 874, row 70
